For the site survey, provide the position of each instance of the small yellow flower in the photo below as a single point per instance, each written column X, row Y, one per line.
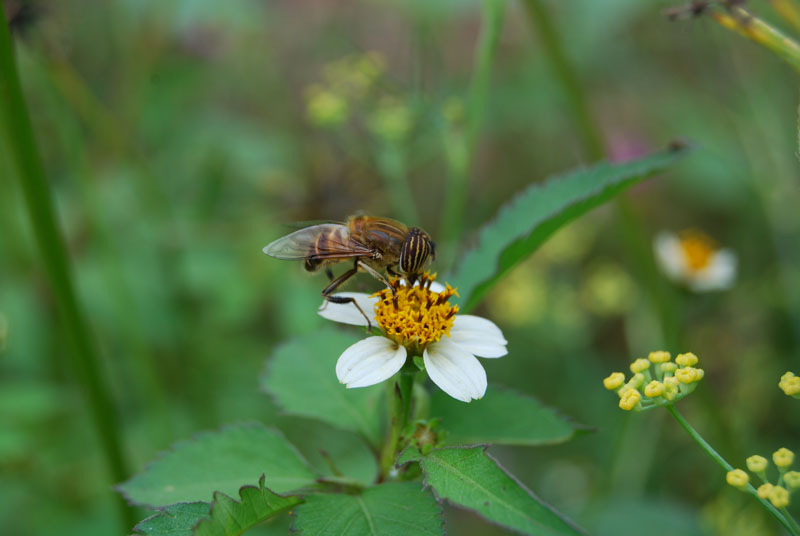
column 686, row 375
column 659, row 356
column 686, row 360
column 783, row 458
column 792, row 479
column 790, row 384
column 764, row 490
column 636, row 380
column 669, row 367
column 737, row 478
column 670, row 388
column 614, row 381
column 756, row 463
column 700, row 373
column 630, row 400
column 325, row 107
column 779, row 497
column 640, row 365
column 654, row 389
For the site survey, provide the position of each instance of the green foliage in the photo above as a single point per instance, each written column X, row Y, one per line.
column 503, row 416
column 531, row 217
column 231, row 518
column 220, row 461
column 302, row 378
column 174, row 520
column 388, row 509
column 469, row 478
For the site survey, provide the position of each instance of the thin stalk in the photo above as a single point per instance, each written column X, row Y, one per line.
column 789, row 10
column 85, row 361
column 744, row 23
column 461, row 152
column 587, row 128
column 728, row 467
column 399, row 395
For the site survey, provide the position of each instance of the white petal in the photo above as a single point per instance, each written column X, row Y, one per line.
column 457, row 372
column 670, row 256
column 347, row 313
column 437, row 287
column 370, row 361
column 477, row 325
column 718, row 275
column 478, row 346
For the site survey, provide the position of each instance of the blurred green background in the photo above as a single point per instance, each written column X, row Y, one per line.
column 180, row 137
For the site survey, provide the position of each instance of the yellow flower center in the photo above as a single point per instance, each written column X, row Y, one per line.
column 698, row 249
column 415, row 316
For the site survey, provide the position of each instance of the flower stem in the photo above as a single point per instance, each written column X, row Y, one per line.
column 786, row 521
column 15, row 122
column 460, row 146
column 399, row 398
column 588, row 130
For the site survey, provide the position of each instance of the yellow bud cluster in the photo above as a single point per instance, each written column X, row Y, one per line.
column 778, row 493
column 656, row 381
column 790, row 384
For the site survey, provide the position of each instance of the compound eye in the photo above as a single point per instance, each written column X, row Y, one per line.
column 416, row 249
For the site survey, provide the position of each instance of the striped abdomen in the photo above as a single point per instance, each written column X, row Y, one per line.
column 417, row 250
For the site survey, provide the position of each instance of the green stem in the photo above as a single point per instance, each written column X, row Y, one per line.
column 462, row 150
column 587, row 128
column 790, row 520
column 728, row 467
column 15, row 121
column 399, row 397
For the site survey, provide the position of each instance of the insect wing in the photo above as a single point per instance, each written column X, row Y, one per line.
column 325, row 241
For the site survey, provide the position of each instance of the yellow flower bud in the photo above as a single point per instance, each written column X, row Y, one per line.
column 659, row 356
column 790, row 384
column 670, row 389
column 630, row 400
column 700, row 374
column 326, row 108
column 624, row 389
column 668, row 367
column 756, row 463
column 792, row 479
column 614, row 381
column 686, row 375
column 636, row 380
column 779, row 497
column 783, row 457
column 686, row 360
column 737, row 478
column 764, row 490
column 654, row 389
column 640, row 365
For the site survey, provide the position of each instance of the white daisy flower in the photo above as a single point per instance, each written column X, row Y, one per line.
column 417, row 320
column 692, row 258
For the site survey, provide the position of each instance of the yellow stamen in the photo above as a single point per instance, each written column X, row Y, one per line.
column 415, row 316
column 698, row 249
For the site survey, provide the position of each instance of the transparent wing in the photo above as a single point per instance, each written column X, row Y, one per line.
column 325, row 241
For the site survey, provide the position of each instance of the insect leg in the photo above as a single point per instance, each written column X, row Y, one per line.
column 327, row 292
column 374, row 273
column 329, row 273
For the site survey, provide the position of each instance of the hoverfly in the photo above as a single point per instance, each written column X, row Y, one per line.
column 373, row 244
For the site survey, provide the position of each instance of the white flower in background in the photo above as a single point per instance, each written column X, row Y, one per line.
column 417, row 320
column 694, row 259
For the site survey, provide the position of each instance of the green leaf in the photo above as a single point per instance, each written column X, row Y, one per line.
column 301, row 376
column 219, row 461
column 502, row 417
column 524, row 223
column 470, row 478
column 231, row 518
column 173, row 520
column 396, row 508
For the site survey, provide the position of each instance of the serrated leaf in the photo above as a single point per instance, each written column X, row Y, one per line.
column 502, row 417
column 231, row 518
column 532, row 216
column 470, row 478
column 219, row 461
column 173, row 520
column 388, row 509
column 301, row 376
